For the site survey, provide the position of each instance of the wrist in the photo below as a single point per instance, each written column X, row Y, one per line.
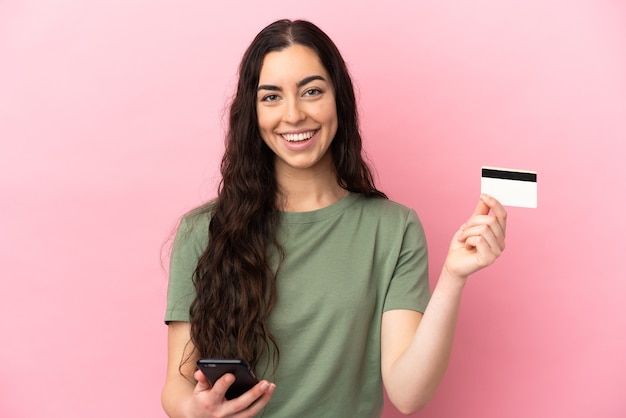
column 452, row 279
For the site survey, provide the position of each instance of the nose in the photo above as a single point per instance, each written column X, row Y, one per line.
column 293, row 112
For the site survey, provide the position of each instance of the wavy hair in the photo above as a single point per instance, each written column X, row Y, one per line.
column 235, row 279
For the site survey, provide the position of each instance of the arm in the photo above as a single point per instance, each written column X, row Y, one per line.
column 187, row 393
column 179, row 383
column 416, row 348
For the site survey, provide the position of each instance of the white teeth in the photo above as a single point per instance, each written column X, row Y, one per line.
column 298, row 137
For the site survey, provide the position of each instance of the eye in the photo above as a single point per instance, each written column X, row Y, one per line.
column 312, row 92
column 270, row 98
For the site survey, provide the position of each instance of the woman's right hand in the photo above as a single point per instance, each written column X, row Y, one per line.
column 188, row 394
column 209, row 402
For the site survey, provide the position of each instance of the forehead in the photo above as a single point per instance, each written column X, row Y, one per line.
column 291, row 64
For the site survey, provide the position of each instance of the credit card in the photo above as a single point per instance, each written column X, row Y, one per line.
column 510, row 186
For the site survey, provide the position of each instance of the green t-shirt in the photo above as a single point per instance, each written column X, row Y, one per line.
column 344, row 265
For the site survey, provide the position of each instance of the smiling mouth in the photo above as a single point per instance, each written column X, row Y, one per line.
column 302, row 136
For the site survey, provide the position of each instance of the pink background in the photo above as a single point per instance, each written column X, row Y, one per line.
column 111, row 122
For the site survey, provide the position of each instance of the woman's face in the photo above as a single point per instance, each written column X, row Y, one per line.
column 296, row 108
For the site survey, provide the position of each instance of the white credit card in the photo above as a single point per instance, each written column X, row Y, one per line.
column 511, row 187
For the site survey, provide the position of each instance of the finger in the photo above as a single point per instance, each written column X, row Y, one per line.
column 254, row 393
column 481, row 208
column 221, row 385
column 497, row 209
column 484, row 225
column 254, row 400
column 485, row 254
column 202, row 382
column 260, row 403
column 484, row 234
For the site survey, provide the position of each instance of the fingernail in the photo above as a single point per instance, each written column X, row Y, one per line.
column 229, row 378
column 264, row 386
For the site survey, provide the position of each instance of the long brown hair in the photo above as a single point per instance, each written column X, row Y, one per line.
column 235, row 279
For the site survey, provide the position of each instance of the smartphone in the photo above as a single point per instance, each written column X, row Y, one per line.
column 214, row 368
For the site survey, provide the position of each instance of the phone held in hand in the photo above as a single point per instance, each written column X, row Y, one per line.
column 214, row 368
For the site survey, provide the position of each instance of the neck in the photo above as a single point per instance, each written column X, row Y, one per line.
column 303, row 190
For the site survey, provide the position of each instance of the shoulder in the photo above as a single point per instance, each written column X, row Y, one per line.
column 385, row 208
column 385, row 216
column 199, row 216
column 194, row 226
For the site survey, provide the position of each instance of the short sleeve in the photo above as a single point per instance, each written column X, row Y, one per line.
column 189, row 244
column 409, row 287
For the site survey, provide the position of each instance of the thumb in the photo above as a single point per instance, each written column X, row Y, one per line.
column 481, row 208
column 203, row 383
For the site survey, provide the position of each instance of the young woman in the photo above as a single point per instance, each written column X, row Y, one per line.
column 302, row 267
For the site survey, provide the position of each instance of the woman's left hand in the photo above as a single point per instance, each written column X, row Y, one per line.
column 479, row 241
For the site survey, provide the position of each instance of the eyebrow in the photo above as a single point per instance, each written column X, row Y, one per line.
column 299, row 84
